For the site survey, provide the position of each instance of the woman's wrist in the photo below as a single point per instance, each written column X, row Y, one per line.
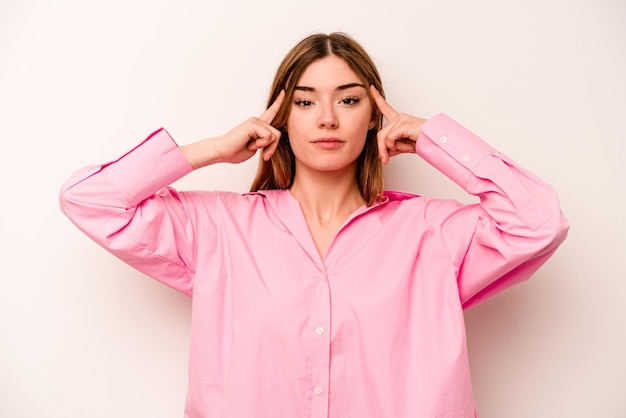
column 201, row 153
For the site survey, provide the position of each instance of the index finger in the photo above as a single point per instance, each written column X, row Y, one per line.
column 271, row 112
column 385, row 108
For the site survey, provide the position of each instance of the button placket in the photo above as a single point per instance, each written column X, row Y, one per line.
column 319, row 340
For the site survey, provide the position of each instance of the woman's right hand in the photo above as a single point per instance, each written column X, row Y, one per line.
column 240, row 143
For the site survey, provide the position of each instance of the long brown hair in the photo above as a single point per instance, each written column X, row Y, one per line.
column 280, row 170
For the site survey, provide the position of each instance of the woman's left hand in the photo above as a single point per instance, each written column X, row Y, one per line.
column 400, row 133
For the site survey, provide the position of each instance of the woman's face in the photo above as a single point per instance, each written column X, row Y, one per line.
column 329, row 117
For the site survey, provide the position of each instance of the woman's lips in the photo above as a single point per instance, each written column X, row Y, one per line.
column 328, row 143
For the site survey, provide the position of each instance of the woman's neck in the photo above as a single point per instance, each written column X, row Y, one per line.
column 327, row 200
column 327, row 197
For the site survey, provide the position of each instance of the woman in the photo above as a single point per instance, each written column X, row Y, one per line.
column 320, row 294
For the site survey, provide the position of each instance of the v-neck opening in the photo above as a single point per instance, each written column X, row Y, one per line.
column 292, row 216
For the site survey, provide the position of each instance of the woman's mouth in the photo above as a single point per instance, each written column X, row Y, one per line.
column 328, row 143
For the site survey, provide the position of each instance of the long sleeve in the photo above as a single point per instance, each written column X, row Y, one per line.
column 520, row 223
column 126, row 207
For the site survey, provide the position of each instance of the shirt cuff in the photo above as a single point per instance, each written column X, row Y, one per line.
column 451, row 148
column 152, row 165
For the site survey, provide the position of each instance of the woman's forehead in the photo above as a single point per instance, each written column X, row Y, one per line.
column 331, row 71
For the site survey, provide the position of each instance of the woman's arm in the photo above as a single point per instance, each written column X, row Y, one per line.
column 519, row 223
column 127, row 207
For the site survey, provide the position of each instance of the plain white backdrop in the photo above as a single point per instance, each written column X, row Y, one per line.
column 82, row 335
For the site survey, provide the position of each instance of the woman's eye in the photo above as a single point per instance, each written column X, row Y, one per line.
column 303, row 103
column 350, row 101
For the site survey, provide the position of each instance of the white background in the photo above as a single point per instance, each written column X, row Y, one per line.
column 82, row 335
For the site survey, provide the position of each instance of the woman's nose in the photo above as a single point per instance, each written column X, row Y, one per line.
column 327, row 118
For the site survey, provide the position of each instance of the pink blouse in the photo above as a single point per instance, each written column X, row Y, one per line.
column 375, row 328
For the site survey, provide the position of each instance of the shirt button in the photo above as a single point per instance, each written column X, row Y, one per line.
column 443, row 139
column 318, row 390
column 319, row 330
column 466, row 157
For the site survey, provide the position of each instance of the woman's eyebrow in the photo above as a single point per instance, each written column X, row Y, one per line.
column 342, row 87
column 350, row 85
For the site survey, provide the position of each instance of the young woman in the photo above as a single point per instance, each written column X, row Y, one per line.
column 319, row 294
